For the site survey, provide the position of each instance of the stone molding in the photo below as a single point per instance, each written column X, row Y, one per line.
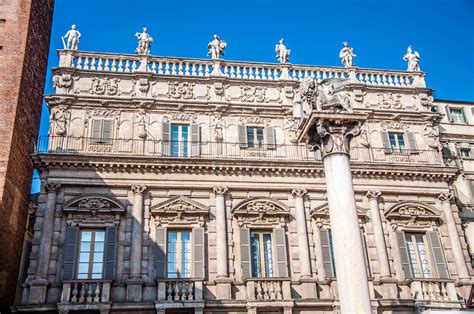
column 373, row 194
column 446, row 197
column 261, row 211
column 320, row 215
column 412, row 214
column 138, row 189
column 219, row 189
column 299, row 192
column 180, row 210
column 52, row 187
column 97, row 203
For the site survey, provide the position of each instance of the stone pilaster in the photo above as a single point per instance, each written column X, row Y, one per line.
column 384, row 266
column 458, row 254
column 303, row 246
column 135, row 282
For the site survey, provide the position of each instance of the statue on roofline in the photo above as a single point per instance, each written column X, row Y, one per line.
column 72, row 36
column 347, row 54
column 413, row 59
column 282, row 54
column 144, row 42
column 216, row 48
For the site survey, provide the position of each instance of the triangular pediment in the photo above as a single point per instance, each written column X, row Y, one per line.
column 410, row 209
column 179, row 204
column 323, row 211
column 97, row 203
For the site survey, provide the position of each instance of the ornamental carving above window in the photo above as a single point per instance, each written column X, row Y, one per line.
column 94, row 203
column 180, row 210
column 412, row 214
column 321, row 214
column 260, row 212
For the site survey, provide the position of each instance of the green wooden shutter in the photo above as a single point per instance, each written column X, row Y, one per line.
column 110, row 252
column 96, row 126
column 448, row 113
column 69, row 253
column 198, row 253
column 166, row 139
column 386, row 142
column 242, row 136
column 403, row 252
column 437, row 254
column 412, row 143
column 245, row 253
column 106, row 135
column 326, row 251
column 195, row 140
column 270, row 137
column 281, row 255
column 160, row 253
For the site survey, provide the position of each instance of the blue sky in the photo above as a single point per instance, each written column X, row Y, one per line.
column 379, row 31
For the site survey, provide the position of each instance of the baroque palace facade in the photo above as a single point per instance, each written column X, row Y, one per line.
column 174, row 185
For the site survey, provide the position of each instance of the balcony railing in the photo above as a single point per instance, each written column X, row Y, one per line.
column 268, row 289
column 86, row 291
column 179, row 290
column 119, row 63
column 223, row 150
column 433, row 290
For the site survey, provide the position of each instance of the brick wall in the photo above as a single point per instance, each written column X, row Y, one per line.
column 25, row 27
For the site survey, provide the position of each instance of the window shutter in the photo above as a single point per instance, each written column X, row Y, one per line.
column 403, row 252
column 326, row 250
column 245, row 252
column 437, row 254
column 412, row 143
column 96, row 129
column 110, row 252
column 366, row 255
column 243, row 136
column 106, row 135
column 166, row 139
column 198, row 252
column 270, row 137
column 386, row 142
column 448, row 114
column 195, row 140
column 160, row 253
column 69, row 253
column 447, row 152
column 280, row 246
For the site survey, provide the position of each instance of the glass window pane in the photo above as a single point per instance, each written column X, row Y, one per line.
column 331, row 247
column 83, row 268
column 86, row 236
column 99, row 247
column 267, row 246
column 412, row 255
column 84, row 257
column 250, row 137
column 96, row 276
column 85, row 246
column 260, row 136
column 99, row 236
column 401, row 141
column 425, row 264
column 255, row 252
column 98, row 257
column 97, row 268
column 82, row 276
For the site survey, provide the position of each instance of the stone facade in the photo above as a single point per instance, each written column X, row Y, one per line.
column 25, row 28
column 113, row 163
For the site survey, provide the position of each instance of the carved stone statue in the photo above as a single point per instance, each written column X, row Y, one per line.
column 144, row 42
column 331, row 96
column 216, row 48
column 307, row 95
column 346, row 54
column 72, row 36
column 413, row 59
column 59, row 117
column 282, row 54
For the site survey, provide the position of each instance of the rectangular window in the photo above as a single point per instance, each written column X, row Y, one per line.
column 418, row 255
column 397, row 141
column 102, row 131
column 254, row 137
column 261, row 252
column 465, row 152
column 91, row 254
column 457, row 115
column 179, row 254
column 179, row 140
column 332, row 253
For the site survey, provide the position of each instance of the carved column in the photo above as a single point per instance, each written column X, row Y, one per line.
column 445, row 199
column 373, row 197
column 303, row 246
column 331, row 134
column 134, row 284
column 39, row 284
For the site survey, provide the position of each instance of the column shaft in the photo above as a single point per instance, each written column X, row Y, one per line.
column 221, row 236
column 351, row 273
column 303, row 246
column 137, row 232
column 47, row 232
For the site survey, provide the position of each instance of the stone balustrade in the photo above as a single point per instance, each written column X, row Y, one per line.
column 179, row 290
column 268, row 289
column 86, row 291
column 123, row 63
column 433, row 290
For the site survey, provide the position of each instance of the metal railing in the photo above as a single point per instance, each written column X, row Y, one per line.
column 59, row 145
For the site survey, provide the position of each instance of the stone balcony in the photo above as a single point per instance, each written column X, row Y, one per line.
column 83, row 294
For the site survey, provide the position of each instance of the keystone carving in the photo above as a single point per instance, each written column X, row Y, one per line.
column 374, row 194
column 138, row 189
column 219, row 189
column 52, row 187
column 298, row 192
column 446, row 197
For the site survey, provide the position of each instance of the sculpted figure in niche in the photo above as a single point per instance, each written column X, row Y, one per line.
column 282, row 54
column 144, row 42
column 216, row 48
column 59, row 120
column 413, row 59
column 346, row 54
column 72, row 36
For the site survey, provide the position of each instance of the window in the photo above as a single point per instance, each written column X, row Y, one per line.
column 261, row 254
column 102, row 131
column 397, row 141
column 179, row 254
column 465, row 152
column 179, row 140
column 331, row 248
column 91, row 254
column 418, row 255
column 457, row 115
column 254, row 137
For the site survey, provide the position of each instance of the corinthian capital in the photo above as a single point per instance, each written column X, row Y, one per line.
column 298, row 192
column 445, row 197
column 373, row 194
column 333, row 136
column 52, row 187
column 138, row 188
column 219, row 189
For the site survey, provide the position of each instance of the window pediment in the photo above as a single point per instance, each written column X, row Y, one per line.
column 180, row 210
column 94, row 204
column 260, row 212
column 413, row 214
column 321, row 214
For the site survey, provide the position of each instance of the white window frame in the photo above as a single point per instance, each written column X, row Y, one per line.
column 179, row 260
column 264, row 262
column 396, row 147
column 255, row 143
column 417, row 256
column 182, row 142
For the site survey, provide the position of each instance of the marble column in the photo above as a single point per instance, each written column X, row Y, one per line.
column 39, row 284
column 303, row 246
column 382, row 256
column 456, row 247
column 135, row 282
column 331, row 134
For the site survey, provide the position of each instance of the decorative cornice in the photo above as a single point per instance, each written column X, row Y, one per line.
column 138, row 189
column 373, row 194
column 219, row 189
column 298, row 192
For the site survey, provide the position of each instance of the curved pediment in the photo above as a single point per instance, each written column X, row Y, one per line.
column 179, row 204
column 409, row 209
column 96, row 203
column 323, row 211
column 257, row 205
